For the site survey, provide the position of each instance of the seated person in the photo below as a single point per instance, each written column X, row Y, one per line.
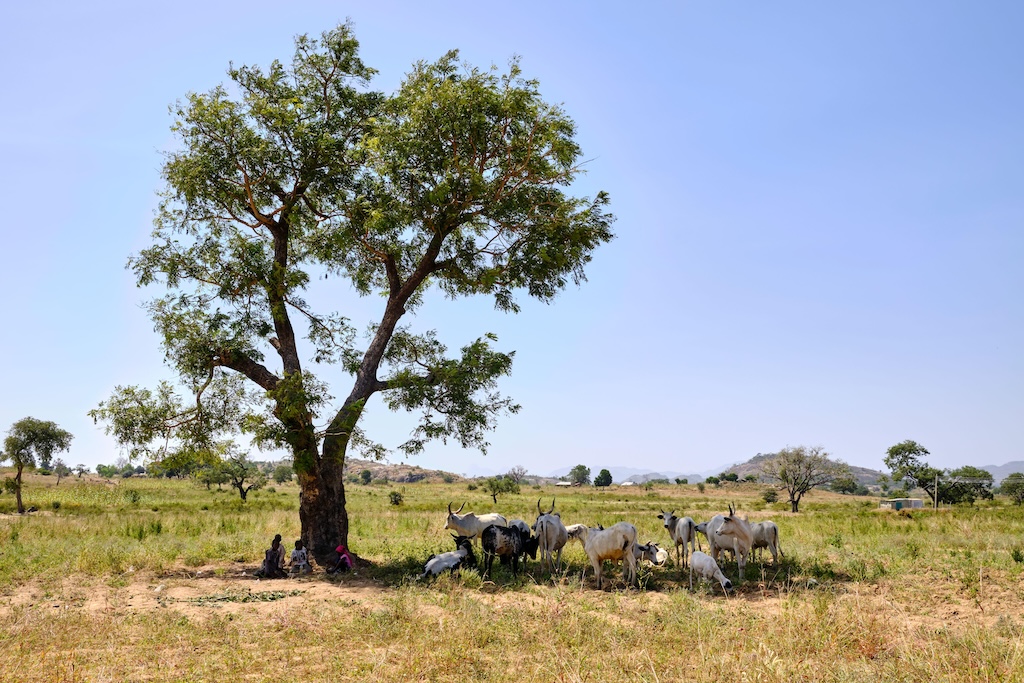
column 344, row 561
column 300, row 559
column 273, row 560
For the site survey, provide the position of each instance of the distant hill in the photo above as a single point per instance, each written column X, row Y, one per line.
column 1000, row 472
column 400, row 473
column 621, row 474
column 863, row 475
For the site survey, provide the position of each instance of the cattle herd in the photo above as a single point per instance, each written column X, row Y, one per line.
column 512, row 541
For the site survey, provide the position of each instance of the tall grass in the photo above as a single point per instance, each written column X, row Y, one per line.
column 860, row 595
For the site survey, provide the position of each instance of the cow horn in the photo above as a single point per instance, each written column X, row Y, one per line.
column 538, row 507
column 460, row 509
column 731, row 511
column 552, row 506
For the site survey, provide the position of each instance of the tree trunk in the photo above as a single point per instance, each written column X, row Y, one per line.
column 795, row 503
column 17, row 490
column 321, row 479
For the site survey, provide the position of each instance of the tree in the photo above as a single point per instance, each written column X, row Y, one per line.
column 60, row 469
column 366, row 476
column 800, row 469
column 107, row 471
column 904, row 462
column 844, row 485
column 966, row 485
column 80, row 469
column 241, row 472
column 283, row 473
column 1013, row 486
column 500, row 484
column 516, row 474
column 682, row 481
column 580, row 475
column 714, row 481
column 30, row 440
column 603, row 478
column 456, row 181
column 729, row 476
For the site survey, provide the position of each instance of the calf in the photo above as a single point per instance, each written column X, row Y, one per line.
column 508, row 543
column 707, row 568
column 469, row 524
column 683, row 532
column 462, row 556
column 551, row 536
column 615, row 543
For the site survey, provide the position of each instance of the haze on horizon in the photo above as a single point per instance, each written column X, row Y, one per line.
column 820, row 221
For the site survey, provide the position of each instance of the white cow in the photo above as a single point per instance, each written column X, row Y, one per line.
column 683, row 532
column 552, row 535
column 471, row 525
column 709, row 529
column 650, row 552
column 707, row 568
column 766, row 535
column 735, row 533
column 617, row 542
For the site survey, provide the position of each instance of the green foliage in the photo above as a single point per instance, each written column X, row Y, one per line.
column 904, row 462
column 365, row 476
column 500, row 484
column 471, row 486
column 604, row 478
column 714, row 481
column 395, row 498
column 243, row 474
column 457, row 180
column 447, row 478
column 750, row 478
column 682, row 481
column 700, row 486
column 729, row 476
column 283, row 473
column 1013, row 486
column 30, row 440
column 844, row 485
column 770, row 495
column 966, row 485
column 580, row 475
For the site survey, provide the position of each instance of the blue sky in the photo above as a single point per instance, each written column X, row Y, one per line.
column 820, row 219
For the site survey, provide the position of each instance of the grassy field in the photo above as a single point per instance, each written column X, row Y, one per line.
column 153, row 580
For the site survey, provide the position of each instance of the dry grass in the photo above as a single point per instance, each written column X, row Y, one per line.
column 861, row 595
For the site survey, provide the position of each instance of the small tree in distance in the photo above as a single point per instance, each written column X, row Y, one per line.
column 60, row 469
column 30, row 440
column 516, row 474
column 603, row 478
column 242, row 473
column 580, row 475
column 800, row 469
column 1013, row 486
column 500, row 484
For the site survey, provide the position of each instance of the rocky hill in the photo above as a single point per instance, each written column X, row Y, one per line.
column 863, row 475
column 401, row 473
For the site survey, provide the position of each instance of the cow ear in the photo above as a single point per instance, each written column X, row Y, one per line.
column 661, row 516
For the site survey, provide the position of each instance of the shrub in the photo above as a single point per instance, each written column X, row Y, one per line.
column 770, row 496
column 471, row 486
column 447, row 478
column 395, row 497
column 700, row 487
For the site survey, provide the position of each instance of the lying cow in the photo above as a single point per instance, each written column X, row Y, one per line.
column 707, row 568
column 651, row 553
column 462, row 556
column 505, row 542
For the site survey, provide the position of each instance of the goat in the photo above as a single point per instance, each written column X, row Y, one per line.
column 707, row 568
column 508, row 543
column 462, row 556
column 552, row 536
column 766, row 535
column 682, row 531
column 469, row 524
column 617, row 542
column 737, row 533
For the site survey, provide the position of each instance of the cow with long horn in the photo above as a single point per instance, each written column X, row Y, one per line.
column 471, row 525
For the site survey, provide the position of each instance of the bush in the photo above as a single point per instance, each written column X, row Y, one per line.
column 700, row 486
column 447, row 478
column 395, row 497
column 471, row 486
column 770, row 496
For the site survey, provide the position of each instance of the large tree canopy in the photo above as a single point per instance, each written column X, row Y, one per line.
column 299, row 173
